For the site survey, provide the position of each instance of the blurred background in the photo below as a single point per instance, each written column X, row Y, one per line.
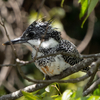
column 19, row 14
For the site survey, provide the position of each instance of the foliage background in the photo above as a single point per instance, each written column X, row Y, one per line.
column 18, row 14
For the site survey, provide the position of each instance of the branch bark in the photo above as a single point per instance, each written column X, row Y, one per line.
column 65, row 73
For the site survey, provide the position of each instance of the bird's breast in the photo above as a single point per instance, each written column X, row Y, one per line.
column 52, row 65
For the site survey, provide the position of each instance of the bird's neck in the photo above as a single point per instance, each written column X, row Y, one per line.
column 34, row 44
column 49, row 43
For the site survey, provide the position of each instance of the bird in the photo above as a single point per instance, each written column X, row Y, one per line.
column 47, row 39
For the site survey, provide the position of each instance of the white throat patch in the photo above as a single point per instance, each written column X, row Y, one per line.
column 45, row 44
column 50, row 43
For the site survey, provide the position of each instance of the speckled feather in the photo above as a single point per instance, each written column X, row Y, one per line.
column 63, row 46
column 52, row 43
column 37, row 30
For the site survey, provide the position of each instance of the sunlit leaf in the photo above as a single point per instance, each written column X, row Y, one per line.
column 79, row 1
column 51, row 90
column 33, row 16
column 78, row 99
column 58, row 98
column 47, row 98
column 54, row 96
column 94, row 98
column 84, row 6
column 57, row 11
column 47, row 89
column 67, row 94
column 84, row 21
column 62, row 2
column 35, row 92
column 29, row 96
column 91, row 5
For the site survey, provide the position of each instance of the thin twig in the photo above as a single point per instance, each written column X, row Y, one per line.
column 94, row 85
column 13, row 49
column 37, row 51
column 69, row 71
column 67, row 54
column 52, row 54
column 94, row 69
column 7, row 65
column 91, row 88
column 91, row 55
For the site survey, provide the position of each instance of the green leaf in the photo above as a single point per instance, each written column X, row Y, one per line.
column 79, row 1
column 57, row 88
column 84, row 4
column 35, row 92
column 43, row 94
column 94, row 98
column 79, row 92
column 84, row 21
column 29, row 96
column 91, row 5
column 97, row 92
column 54, row 96
column 47, row 98
column 67, row 94
column 62, row 2
column 58, row 98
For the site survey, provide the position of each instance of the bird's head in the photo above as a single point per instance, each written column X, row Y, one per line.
column 36, row 32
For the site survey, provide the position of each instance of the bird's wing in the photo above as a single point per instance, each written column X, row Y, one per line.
column 66, row 46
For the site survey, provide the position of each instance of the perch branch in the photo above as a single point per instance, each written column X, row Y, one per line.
column 38, row 86
column 68, row 71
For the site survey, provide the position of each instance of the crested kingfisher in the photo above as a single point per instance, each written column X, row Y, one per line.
column 48, row 40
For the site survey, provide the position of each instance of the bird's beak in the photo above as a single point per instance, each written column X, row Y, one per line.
column 15, row 41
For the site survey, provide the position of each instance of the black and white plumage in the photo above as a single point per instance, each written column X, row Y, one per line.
column 51, row 43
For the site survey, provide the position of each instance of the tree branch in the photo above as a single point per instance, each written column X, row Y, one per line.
column 65, row 73
column 94, row 85
column 53, row 54
column 91, row 88
column 68, row 71
column 93, row 69
column 17, row 94
column 7, row 65
column 12, row 47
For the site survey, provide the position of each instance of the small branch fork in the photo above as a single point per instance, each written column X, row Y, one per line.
column 90, row 60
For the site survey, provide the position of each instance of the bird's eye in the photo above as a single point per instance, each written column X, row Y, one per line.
column 31, row 34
